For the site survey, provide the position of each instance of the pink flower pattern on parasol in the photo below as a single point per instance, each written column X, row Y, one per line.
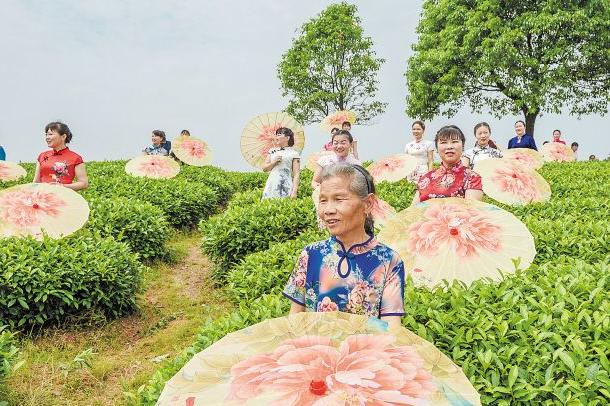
column 310, row 371
column 466, row 229
column 339, row 118
column 517, row 181
column 525, row 159
column 24, row 208
column 4, row 171
column 154, row 167
column 386, row 165
column 267, row 136
column 194, row 148
column 382, row 210
column 558, row 152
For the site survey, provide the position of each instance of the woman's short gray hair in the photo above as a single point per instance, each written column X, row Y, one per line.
column 361, row 184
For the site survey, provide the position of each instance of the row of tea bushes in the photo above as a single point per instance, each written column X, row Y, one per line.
column 231, row 235
column 44, row 282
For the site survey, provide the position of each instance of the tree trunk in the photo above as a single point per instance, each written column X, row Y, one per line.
column 530, row 122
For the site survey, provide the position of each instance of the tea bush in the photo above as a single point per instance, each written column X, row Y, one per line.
column 230, row 236
column 243, row 199
column 267, row 271
column 243, row 181
column 399, row 195
column 139, row 224
column 43, row 282
column 8, row 352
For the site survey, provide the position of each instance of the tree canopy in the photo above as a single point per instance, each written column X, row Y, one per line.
column 331, row 66
column 511, row 57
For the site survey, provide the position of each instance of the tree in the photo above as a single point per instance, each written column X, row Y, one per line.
column 331, row 66
column 511, row 57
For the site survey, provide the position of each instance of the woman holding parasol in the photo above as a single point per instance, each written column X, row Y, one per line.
column 283, row 164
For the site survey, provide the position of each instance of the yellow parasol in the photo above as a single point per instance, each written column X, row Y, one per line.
column 393, row 168
column 153, row 166
column 312, row 160
column 257, row 137
column 37, row 208
column 192, row 151
column 525, row 156
column 509, row 182
column 557, row 152
column 11, row 171
column 458, row 239
column 328, row 358
column 336, row 119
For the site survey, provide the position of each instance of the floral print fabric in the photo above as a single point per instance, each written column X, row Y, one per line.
column 419, row 150
column 279, row 183
column 479, row 153
column 452, row 182
column 58, row 166
column 373, row 285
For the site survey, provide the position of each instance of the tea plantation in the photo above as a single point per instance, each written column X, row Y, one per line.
column 540, row 337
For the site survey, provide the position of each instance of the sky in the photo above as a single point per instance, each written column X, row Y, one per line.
column 116, row 70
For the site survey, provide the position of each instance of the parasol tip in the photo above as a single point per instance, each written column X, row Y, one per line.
column 318, row 387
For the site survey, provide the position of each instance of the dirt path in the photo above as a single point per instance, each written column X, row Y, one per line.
column 127, row 351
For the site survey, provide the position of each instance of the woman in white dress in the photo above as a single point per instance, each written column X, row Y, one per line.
column 342, row 143
column 421, row 150
column 284, row 164
column 483, row 148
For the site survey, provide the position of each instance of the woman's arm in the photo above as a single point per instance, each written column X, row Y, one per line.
column 473, row 194
column 466, row 161
column 317, row 177
column 430, row 160
column 415, row 198
column 37, row 173
column 296, row 177
column 392, row 320
column 82, row 181
column 269, row 164
column 296, row 308
column 355, row 149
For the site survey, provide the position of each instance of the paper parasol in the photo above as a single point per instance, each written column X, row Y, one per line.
column 392, row 168
column 257, row 137
column 192, row 151
column 153, row 166
column 557, row 152
column 458, row 239
column 312, row 160
column 509, row 182
column 525, row 156
column 11, row 171
column 332, row 358
column 336, row 119
column 34, row 208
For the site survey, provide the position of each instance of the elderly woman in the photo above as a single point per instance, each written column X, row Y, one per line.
column 342, row 144
column 60, row 165
column 452, row 178
column 483, row 148
column 351, row 271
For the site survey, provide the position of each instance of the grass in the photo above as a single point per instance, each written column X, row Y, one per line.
column 92, row 361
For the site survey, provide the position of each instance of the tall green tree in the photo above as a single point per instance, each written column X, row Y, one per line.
column 511, row 57
column 331, row 66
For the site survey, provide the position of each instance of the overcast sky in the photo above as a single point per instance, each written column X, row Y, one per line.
column 116, row 70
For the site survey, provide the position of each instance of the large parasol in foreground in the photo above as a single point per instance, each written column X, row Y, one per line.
column 509, row 182
column 257, row 137
column 11, row 171
column 192, row 151
column 557, row 152
column 525, row 156
column 315, row 359
column 41, row 208
column 153, row 166
column 335, row 120
column 393, row 168
column 458, row 239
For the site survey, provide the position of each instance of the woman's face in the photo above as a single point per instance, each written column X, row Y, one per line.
column 281, row 140
column 482, row 135
column 519, row 129
column 156, row 140
column 450, row 150
column 341, row 145
column 417, row 131
column 341, row 210
column 54, row 139
column 556, row 135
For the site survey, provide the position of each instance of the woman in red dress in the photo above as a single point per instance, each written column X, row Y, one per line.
column 60, row 165
column 451, row 179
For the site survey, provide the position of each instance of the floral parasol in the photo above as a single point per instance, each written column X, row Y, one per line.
column 525, row 156
column 335, row 120
column 38, row 208
column 393, row 168
column 557, row 152
column 315, row 359
column 11, row 171
column 153, row 166
column 458, row 239
column 509, row 182
column 192, row 151
column 312, row 160
column 257, row 137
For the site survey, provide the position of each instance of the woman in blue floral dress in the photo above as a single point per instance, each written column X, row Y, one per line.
column 351, row 271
